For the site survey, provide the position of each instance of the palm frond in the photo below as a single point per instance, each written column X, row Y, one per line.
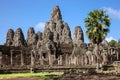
column 97, row 24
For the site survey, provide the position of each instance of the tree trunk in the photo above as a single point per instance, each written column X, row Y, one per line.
column 99, row 58
column 98, row 53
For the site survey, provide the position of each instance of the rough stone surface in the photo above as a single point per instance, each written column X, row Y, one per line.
column 47, row 35
column 40, row 40
column 59, row 29
column 66, row 34
column 19, row 39
column 87, row 77
column 31, row 37
column 55, row 46
column 40, row 35
column 78, row 36
column 56, row 14
column 9, row 37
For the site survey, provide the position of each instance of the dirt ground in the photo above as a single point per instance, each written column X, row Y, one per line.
column 73, row 77
column 88, row 77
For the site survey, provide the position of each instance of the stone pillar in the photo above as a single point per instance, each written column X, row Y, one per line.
column 11, row 57
column 111, row 51
column 41, row 57
column 66, row 59
column 82, row 60
column 0, row 58
column 50, row 60
column 60, row 60
column 32, row 62
column 117, row 54
column 22, row 61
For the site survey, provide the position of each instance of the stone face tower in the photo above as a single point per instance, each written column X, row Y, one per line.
column 60, row 30
column 53, row 47
column 78, row 36
column 9, row 37
column 56, row 14
column 19, row 39
column 31, row 37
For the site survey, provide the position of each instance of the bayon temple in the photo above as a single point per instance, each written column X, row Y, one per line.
column 53, row 47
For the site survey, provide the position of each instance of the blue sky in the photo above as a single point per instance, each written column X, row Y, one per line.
column 35, row 13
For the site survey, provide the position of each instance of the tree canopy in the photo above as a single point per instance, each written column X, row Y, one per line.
column 97, row 24
column 114, row 43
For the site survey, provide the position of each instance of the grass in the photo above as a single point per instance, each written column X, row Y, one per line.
column 42, row 75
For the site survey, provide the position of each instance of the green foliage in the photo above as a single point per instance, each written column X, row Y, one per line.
column 114, row 43
column 97, row 24
column 42, row 75
column 118, row 44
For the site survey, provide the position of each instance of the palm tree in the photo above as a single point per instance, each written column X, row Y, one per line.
column 97, row 24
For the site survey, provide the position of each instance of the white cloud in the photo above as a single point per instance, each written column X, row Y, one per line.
column 114, row 13
column 110, row 38
column 40, row 26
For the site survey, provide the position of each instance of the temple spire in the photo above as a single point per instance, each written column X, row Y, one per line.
column 56, row 14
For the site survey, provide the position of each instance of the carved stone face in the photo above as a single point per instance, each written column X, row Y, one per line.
column 50, row 35
column 40, row 35
column 78, row 33
column 9, row 37
column 18, row 31
column 10, row 34
column 31, row 30
column 18, row 34
column 78, row 36
column 18, row 38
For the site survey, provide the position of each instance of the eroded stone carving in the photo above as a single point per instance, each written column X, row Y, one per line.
column 56, row 14
column 40, row 36
column 78, row 36
column 19, row 39
column 31, row 37
column 55, row 46
column 9, row 37
column 66, row 34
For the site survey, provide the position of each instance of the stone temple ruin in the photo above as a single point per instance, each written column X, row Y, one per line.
column 53, row 47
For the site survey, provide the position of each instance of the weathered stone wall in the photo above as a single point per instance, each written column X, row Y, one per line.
column 53, row 47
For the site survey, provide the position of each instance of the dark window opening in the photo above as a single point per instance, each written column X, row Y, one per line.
column 44, row 55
